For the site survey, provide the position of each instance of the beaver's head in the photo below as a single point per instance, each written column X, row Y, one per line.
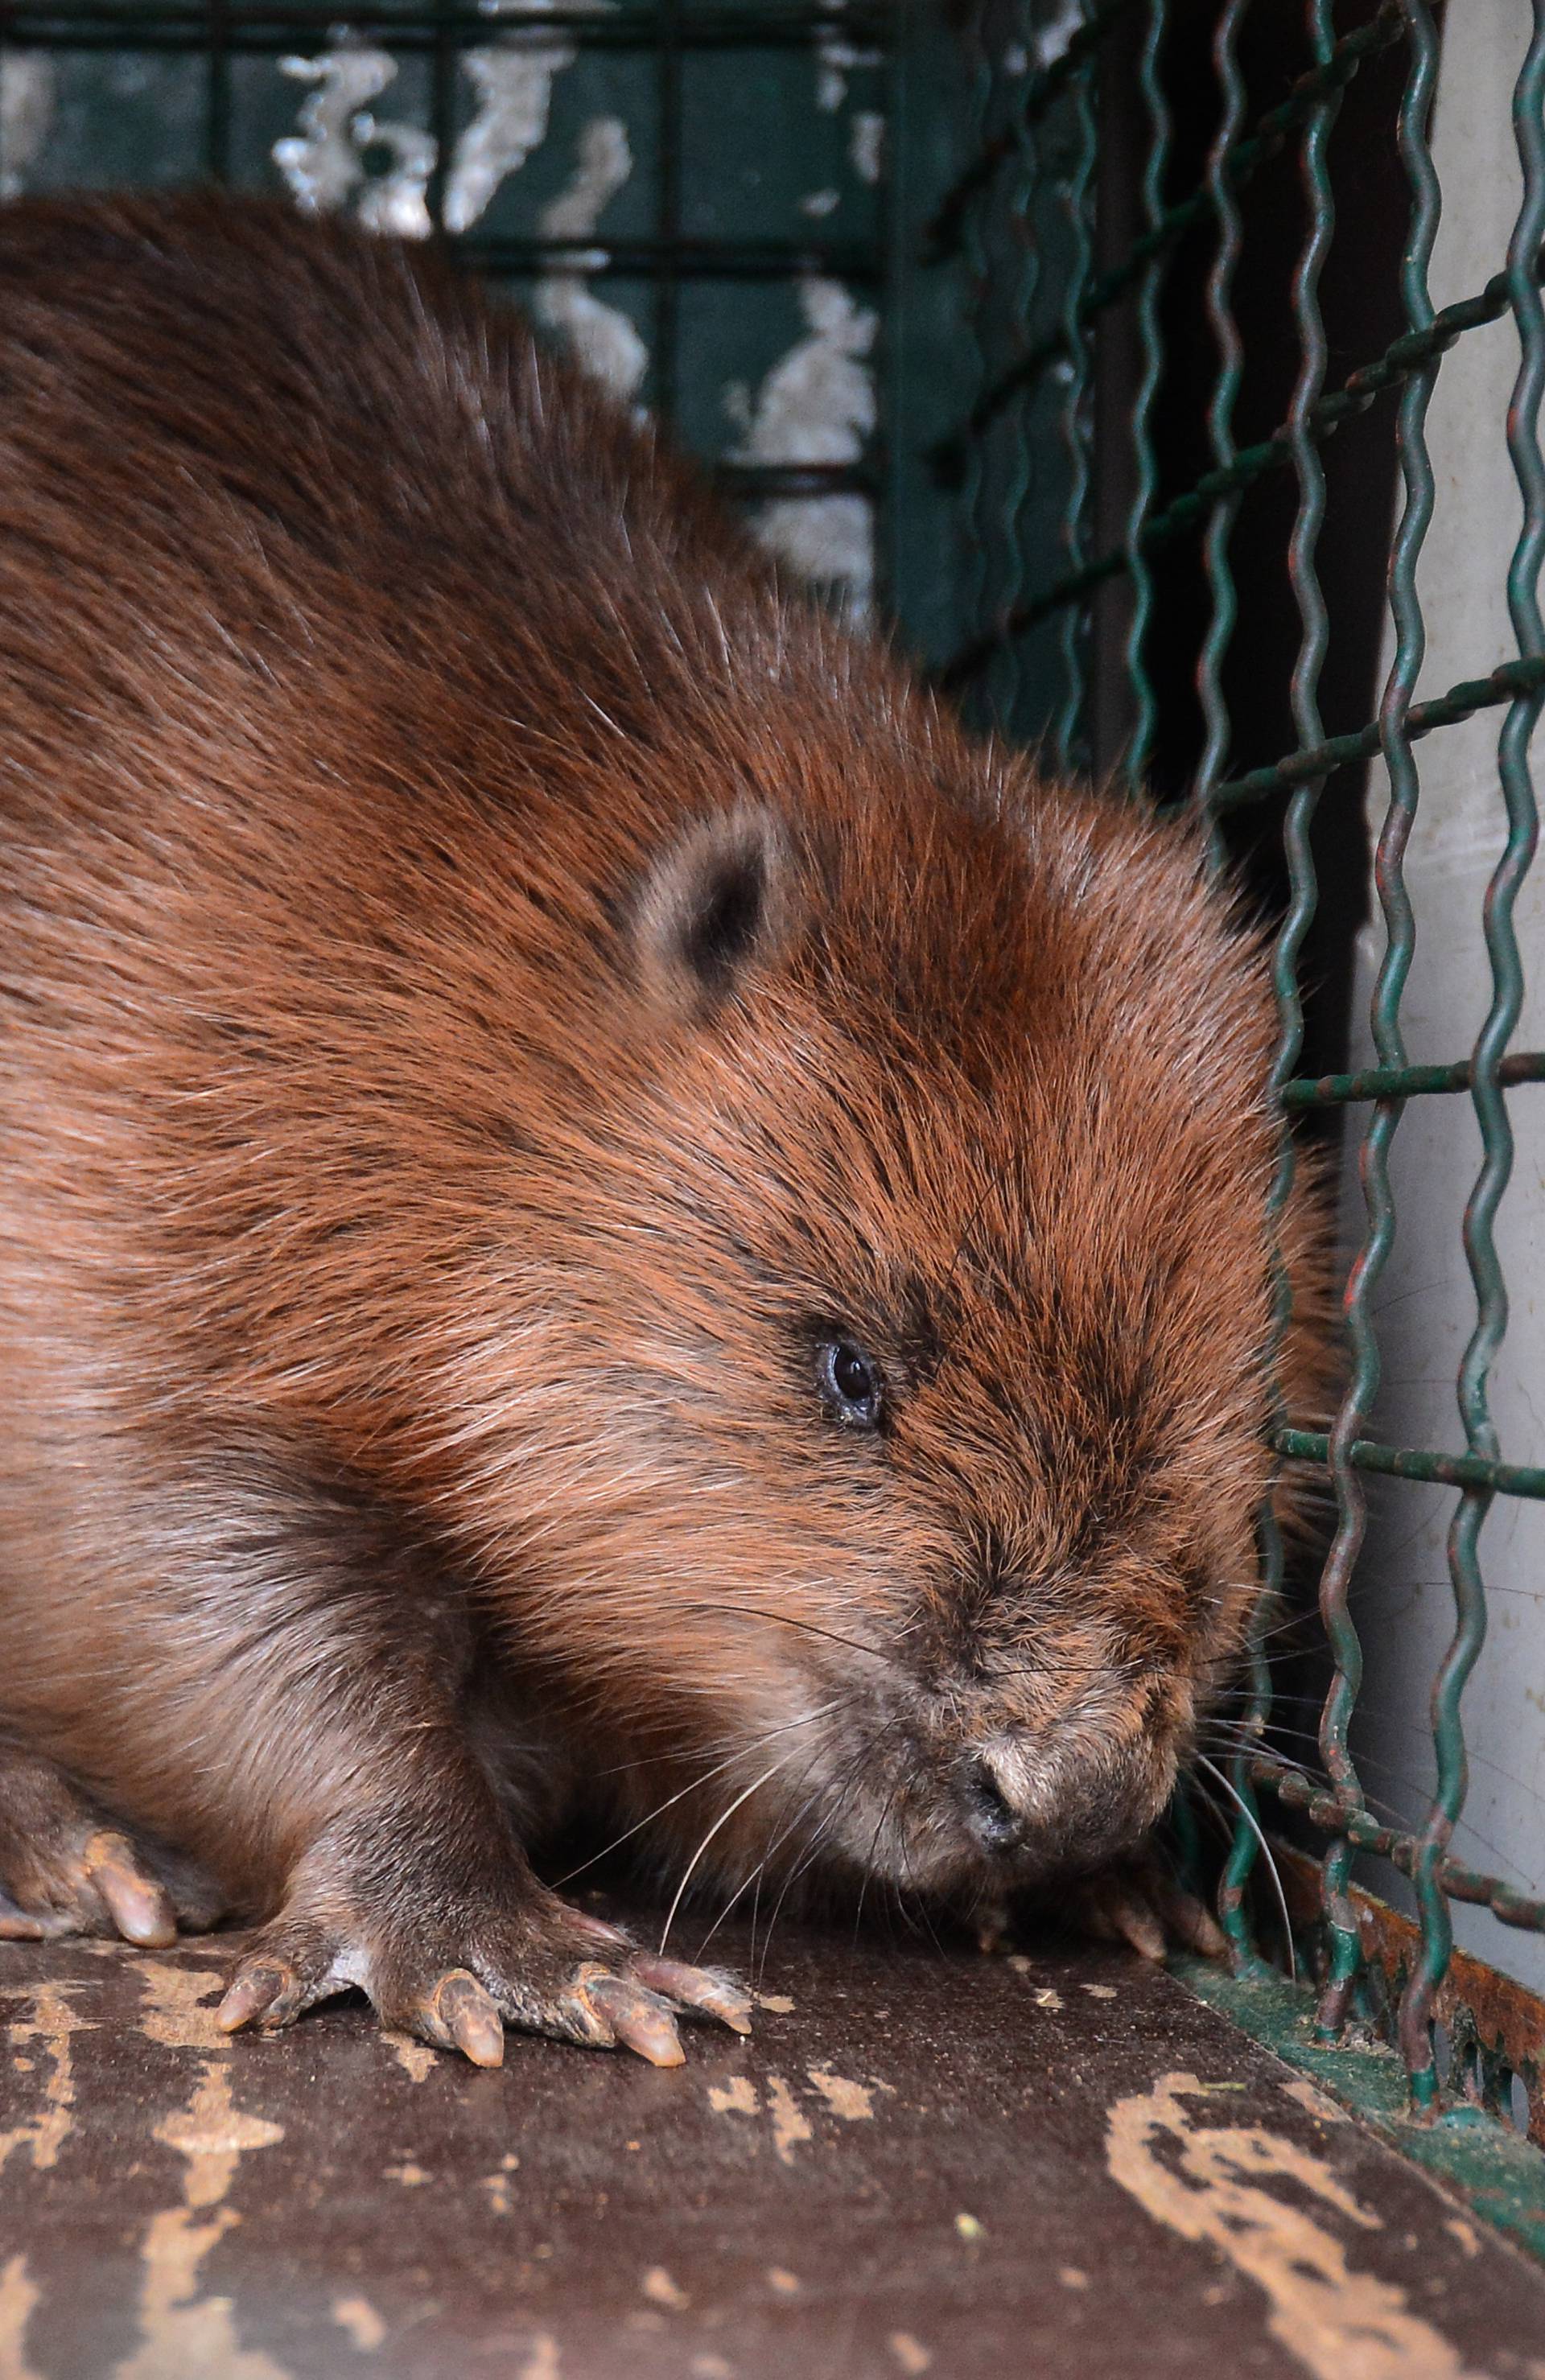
column 894, row 1383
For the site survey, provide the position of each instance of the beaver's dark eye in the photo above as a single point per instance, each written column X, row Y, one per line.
column 851, row 1381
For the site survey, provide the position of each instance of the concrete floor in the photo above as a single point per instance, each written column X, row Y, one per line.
column 921, row 2162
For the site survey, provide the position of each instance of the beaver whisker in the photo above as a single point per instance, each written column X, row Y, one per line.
column 652, row 1759
column 1382, row 1808
column 830, row 1820
column 794, row 1874
column 696, row 1786
column 758, row 1611
column 864, row 1756
column 1289, row 1620
column 1245, row 1746
column 1386, row 1811
column 1254, row 1827
column 692, row 1864
column 874, row 1845
column 919, row 1897
column 765, row 1861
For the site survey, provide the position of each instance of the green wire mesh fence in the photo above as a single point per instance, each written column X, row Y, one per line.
column 1052, row 86
column 1115, row 318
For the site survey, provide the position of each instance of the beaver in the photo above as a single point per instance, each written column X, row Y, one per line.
column 601, row 1209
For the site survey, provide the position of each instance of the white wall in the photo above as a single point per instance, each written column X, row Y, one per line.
column 1425, row 1304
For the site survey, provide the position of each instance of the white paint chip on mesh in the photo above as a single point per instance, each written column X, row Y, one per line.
column 324, row 162
column 512, row 78
column 27, row 97
column 816, row 405
column 835, row 60
column 1054, row 39
column 605, row 339
column 866, row 145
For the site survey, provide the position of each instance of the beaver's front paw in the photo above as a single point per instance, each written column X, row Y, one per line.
column 1139, row 1902
column 455, row 1971
column 68, row 1866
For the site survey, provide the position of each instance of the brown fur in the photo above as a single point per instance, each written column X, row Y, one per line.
column 486, row 983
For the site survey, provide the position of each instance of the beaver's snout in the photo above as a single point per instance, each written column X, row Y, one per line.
column 993, row 1811
column 1037, row 1805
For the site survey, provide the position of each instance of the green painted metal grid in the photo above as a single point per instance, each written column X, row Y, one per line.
column 207, row 74
column 1223, row 196
column 1075, row 78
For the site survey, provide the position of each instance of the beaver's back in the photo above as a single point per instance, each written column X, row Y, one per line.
column 224, row 427
column 349, row 395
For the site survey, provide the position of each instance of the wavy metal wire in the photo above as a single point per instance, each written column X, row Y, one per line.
column 1356, row 394
column 1140, row 744
column 1389, row 1041
column 1491, row 1100
column 1243, row 160
column 1223, row 192
column 1070, row 733
column 1406, row 369
column 1224, row 610
column 1303, row 888
column 1020, row 220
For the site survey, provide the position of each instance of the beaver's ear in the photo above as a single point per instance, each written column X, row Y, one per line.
column 716, row 905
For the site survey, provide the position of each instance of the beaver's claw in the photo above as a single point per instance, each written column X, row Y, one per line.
column 68, row 1866
column 534, row 1963
column 1138, row 1903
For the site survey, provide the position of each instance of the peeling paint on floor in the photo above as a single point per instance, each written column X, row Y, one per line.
column 18, row 2298
column 541, row 2363
column 51, row 2023
column 918, row 2169
column 853, row 2101
column 791, row 2126
column 358, row 2319
column 180, row 2004
column 1222, row 2183
column 413, row 2057
column 1314, row 2103
column 183, row 2330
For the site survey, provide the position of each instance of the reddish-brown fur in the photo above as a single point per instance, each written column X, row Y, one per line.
column 488, row 988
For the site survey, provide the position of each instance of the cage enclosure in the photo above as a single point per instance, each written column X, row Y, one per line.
column 1170, row 373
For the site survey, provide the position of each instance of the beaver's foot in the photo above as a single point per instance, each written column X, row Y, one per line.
column 68, row 1866
column 455, row 1968
column 1138, row 1901
column 1142, row 1903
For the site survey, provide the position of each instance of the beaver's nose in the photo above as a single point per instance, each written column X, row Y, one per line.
column 992, row 1816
